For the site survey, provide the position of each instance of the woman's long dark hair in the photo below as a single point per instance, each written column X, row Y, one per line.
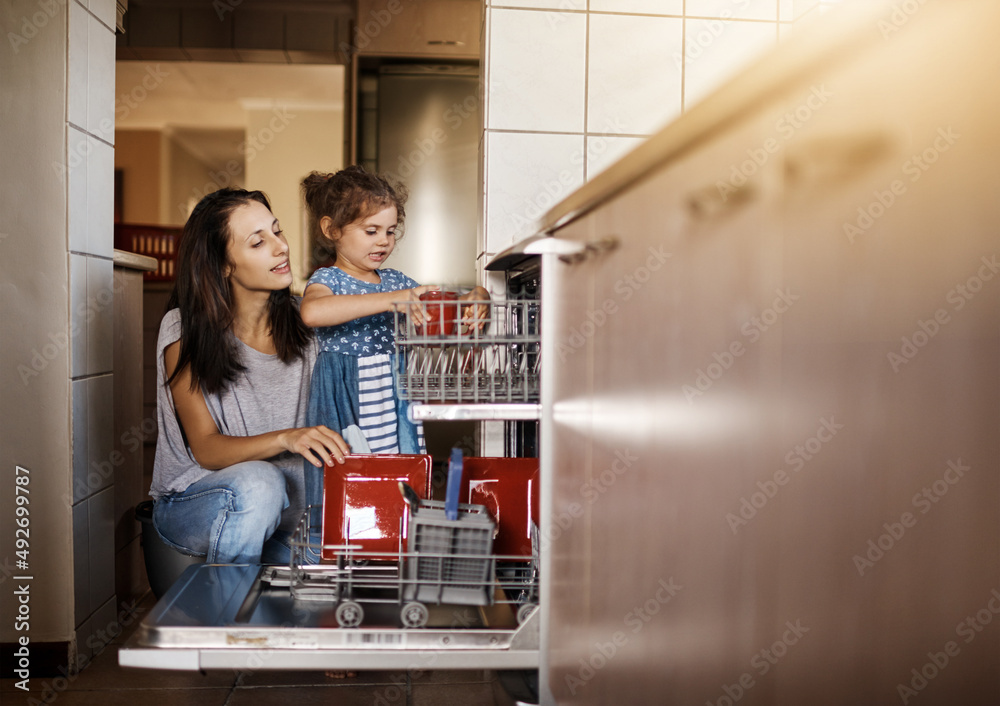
column 202, row 293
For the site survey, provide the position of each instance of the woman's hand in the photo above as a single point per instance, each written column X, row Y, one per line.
column 317, row 445
column 476, row 316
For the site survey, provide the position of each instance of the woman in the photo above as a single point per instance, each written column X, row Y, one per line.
column 233, row 369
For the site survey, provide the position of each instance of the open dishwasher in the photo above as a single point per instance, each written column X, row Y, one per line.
column 443, row 591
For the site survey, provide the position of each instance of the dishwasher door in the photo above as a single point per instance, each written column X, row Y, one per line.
column 245, row 617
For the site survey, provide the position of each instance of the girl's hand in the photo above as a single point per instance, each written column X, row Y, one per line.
column 317, row 445
column 476, row 316
column 414, row 309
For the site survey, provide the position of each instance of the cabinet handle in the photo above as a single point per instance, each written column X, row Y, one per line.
column 836, row 158
column 712, row 202
column 591, row 249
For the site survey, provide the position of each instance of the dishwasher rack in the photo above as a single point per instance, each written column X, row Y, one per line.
column 494, row 359
column 442, row 562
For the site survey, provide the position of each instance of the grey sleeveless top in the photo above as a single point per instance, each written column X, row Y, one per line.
column 268, row 395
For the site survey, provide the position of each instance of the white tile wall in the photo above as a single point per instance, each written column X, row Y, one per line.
column 105, row 11
column 634, row 78
column 100, row 198
column 643, row 63
column 541, row 4
column 77, row 147
column 538, row 62
column 92, row 636
column 648, row 7
column 734, row 9
column 79, row 21
column 801, row 7
column 715, row 50
column 78, row 314
column 602, row 151
column 100, row 74
column 804, row 7
column 81, row 439
column 81, row 560
column 102, row 548
column 90, row 185
column 100, row 300
column 100, row 432
column 527, row 174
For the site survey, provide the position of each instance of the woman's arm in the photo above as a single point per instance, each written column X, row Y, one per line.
column 321, row 307
column 214, row 450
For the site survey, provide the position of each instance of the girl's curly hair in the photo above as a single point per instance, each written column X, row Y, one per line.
column 350, row 195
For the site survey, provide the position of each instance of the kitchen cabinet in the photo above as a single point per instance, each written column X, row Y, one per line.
column 781, row 373
column 418, row 28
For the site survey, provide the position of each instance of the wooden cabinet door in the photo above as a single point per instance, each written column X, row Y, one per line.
column 431, row 28
column 890, row 230
column 661, row 417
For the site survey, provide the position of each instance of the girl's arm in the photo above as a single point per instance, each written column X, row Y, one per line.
column 321, row 307
column 214, row 450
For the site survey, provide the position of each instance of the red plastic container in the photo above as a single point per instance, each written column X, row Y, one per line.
column 508, row 487
column 441, row 312
column 361, row 500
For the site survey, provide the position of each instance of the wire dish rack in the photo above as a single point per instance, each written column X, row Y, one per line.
column 489, row 359
column 441, row 562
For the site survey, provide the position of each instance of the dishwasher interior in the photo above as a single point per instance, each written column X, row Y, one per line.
column 426, row 593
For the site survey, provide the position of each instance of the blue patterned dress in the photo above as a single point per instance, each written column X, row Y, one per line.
column 352, row 383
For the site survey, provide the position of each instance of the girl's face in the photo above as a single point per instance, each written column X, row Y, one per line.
column 364, row 245
column 258, row 253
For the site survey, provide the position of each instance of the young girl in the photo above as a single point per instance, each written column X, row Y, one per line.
column 234, row 362
column 360, row 215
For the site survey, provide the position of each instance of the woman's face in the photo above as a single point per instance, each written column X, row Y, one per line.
column 364, row 245
column 258, row 253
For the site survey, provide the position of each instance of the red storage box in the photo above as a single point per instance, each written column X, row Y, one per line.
column 361, row 500
column 508, row 487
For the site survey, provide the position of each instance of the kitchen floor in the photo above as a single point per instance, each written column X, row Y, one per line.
column 106, row 683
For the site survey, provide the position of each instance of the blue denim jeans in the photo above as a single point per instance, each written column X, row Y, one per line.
column 229, row 516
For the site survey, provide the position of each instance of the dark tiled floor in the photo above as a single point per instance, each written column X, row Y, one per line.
column 105, row 683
